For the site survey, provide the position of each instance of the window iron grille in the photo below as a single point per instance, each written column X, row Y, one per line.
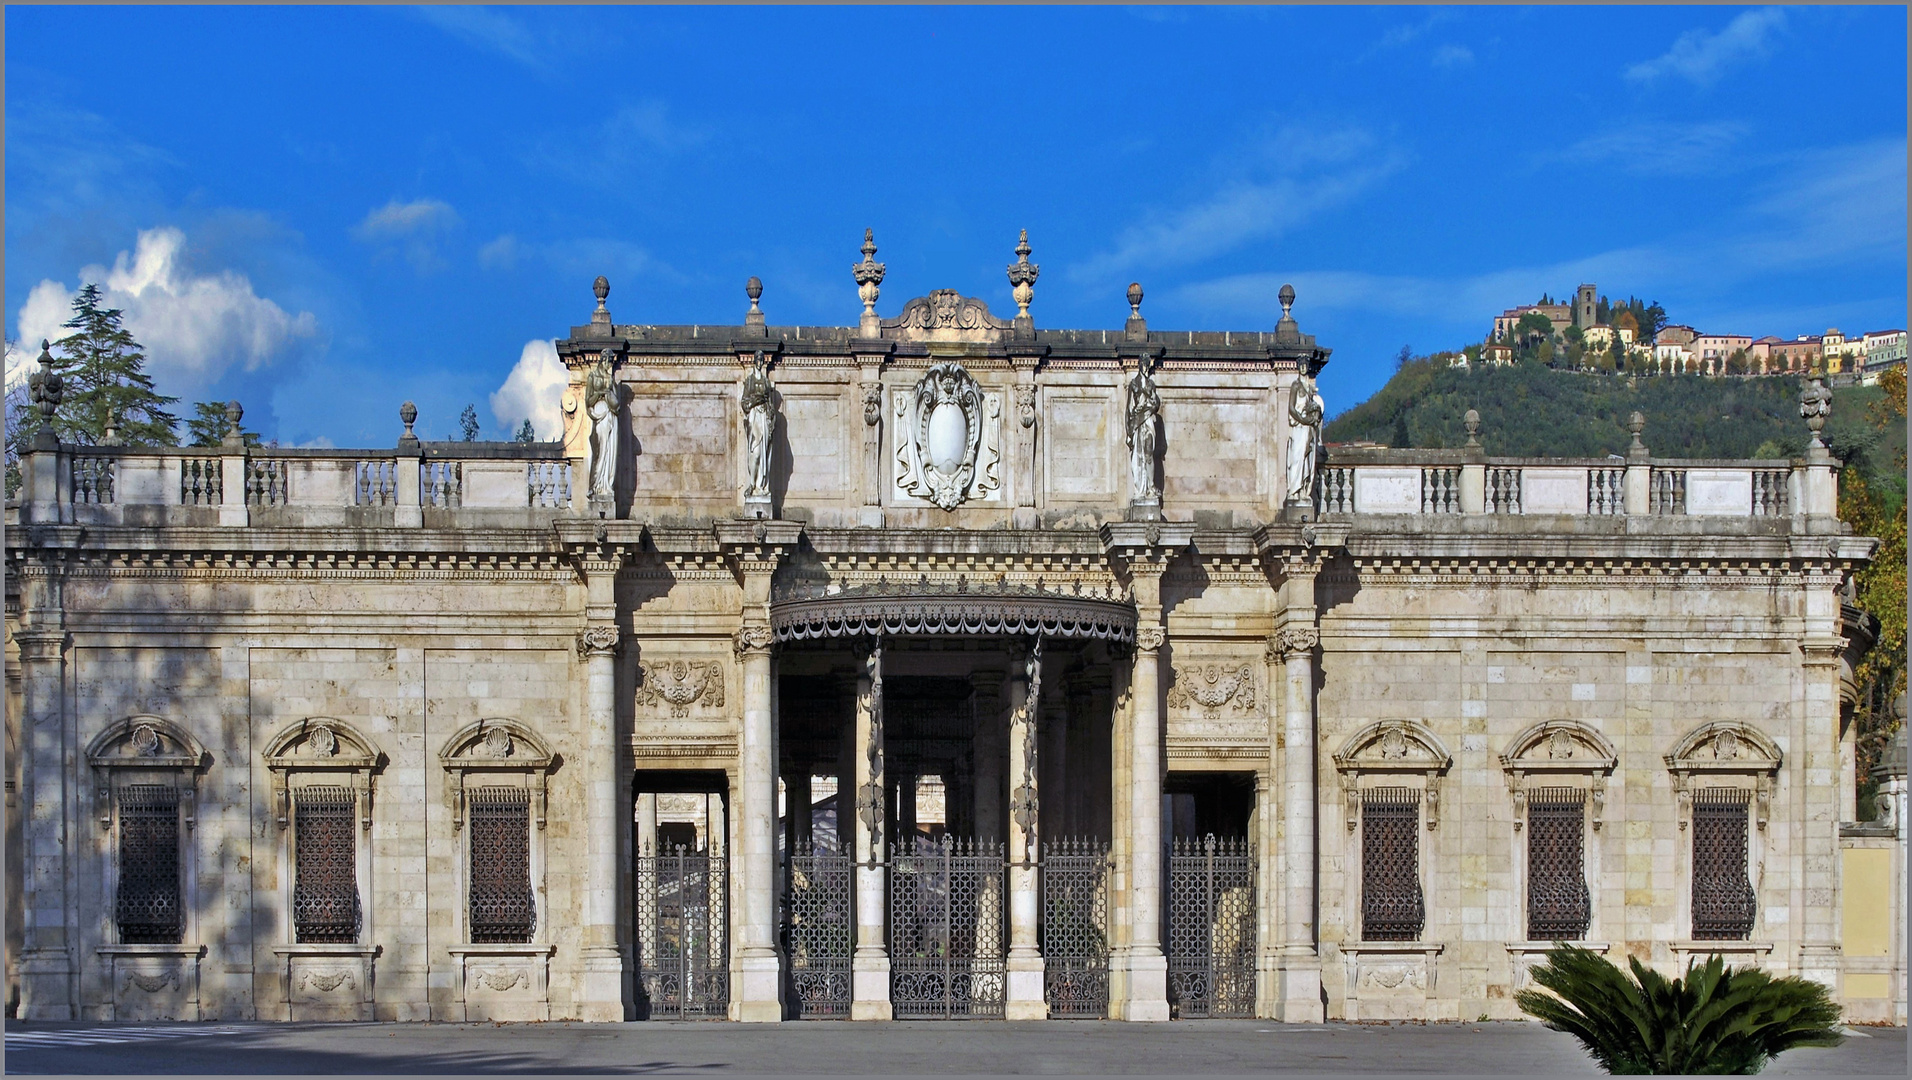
column 1558, row 907
column 148, row 907
column 1723, row 898
column 1392, row 906
column 325, row 896
column 503, row 908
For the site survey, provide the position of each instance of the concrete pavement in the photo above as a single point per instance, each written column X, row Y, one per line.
column 1079, row 1048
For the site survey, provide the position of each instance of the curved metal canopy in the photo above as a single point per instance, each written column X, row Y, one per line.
column 916, row 610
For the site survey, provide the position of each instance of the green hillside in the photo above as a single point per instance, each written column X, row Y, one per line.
column 1529, row 410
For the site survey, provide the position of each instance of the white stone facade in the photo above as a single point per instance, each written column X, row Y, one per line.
column 462, row 623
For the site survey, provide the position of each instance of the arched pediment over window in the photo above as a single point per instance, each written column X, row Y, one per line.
column 145, row 741
column 1553, row 751
column 330, row 748
column 1720, row 753
column 1393, row 747
column 495, row 750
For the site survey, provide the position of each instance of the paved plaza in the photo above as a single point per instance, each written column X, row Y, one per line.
column 1063, row 1048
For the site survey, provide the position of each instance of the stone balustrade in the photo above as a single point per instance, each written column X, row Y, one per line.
column 441, row 484
column 1369, row 481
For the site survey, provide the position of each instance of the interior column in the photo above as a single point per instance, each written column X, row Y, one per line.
column 1024, row 963
column 864, row 819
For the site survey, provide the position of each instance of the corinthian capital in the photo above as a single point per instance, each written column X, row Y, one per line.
column 1150, row 638
column 1293, row 641
column 754, row 639
column 597, row 641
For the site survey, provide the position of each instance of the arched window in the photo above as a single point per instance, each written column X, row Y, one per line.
column 1723, row 775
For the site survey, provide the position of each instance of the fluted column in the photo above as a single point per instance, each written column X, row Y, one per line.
column 604, row 966
column 1024, row 963
column 870, row 964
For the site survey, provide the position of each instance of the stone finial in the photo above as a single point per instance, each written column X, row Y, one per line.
column 1815, row 404
column 1135, row 299
column 754, row 290
column 233, row 436
column 601, row 318
column 1022, row 275
column 869, row 275
column 1287, row 328
column 1636, row 423
column 111, row 436
column 45, row 387
column 1137, row 328
column 408, row 413
column 1472, row 422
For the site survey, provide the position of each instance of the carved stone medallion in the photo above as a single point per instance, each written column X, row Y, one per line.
column 947, row 436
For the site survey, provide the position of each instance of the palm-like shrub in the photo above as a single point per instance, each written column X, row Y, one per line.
column 1717, row 1020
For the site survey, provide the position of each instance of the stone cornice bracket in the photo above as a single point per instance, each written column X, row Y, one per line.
column 754, row 549
column 597, row 641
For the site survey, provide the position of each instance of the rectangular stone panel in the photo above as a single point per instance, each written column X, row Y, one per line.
column 683, row 445
column 1719, row 492
column 1387, row 491
column 495, row 483
column 1080, row 440
column 1212, row 444
column 1553, row 491
column 819, row 451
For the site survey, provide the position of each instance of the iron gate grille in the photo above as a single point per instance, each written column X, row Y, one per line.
column 148, row 908
column 1075, row 927
column 1723, row 900
column 683, row 934
column 1392, row 908
column 1558, row 908
column 503, row 908
column 947, row 905
column 1211, row 928
column 820, row 928
column 325, row 897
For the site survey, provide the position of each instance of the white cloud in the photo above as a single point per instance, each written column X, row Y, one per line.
column 414, row 228
column 1324, row 172
column 486, row 28
column 1453, row 56
column 194, row 327
column 500, row 254
column 1663, row 149
column 532, row 391
column 1701, row 57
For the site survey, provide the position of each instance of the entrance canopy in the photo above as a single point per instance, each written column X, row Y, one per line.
column 925, row 608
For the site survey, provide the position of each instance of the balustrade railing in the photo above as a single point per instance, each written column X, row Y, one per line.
column 92, row 480
column 1666, row 492
column 549, row 483
column 1503, row 491
column 1606, row 491
column 265, row 482
column 1441, row 491
column 201, row 482
column 440, row 484
column 1770, row 495
column 376, row 483
column 1337, row 491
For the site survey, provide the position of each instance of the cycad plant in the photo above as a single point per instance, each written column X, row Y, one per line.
column 1715, row 1021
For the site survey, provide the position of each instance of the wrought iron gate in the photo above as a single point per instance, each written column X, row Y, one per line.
column 1211, row 928
column 683, row 931
column 820, row 930
column 947, row 904
column 1075, row 928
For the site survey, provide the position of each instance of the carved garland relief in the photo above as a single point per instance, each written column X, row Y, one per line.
column 1211, row 686
column 680, row 684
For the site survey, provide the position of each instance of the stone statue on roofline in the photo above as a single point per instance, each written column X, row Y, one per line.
column 1305, row 410
column 1144, row 406
column 601, row 405
column 760, row 421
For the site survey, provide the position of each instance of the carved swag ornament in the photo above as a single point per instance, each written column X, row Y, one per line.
column 680, row 684
column 1211, row 686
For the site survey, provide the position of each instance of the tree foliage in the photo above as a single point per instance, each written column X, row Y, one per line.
column 1872, row 500
column 1714, row 1021
column 526, row 433
column 207, row 426
column 104, row 370
column 468, row 424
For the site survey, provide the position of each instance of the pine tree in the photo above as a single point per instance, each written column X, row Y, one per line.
column 468, row 423
column 527, row 433
column 208, row 426
column 104, row 369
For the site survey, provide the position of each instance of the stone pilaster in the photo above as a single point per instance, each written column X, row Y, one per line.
column 1816, row 814
column 47, row 965
column 755, row 548
column 604, row 993
column 1298, row 969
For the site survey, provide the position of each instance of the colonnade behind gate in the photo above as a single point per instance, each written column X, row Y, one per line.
column 893, row 898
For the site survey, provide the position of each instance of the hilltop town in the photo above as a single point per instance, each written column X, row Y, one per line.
column 1593, row 333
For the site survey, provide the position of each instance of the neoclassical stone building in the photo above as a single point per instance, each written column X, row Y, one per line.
column 933, row 666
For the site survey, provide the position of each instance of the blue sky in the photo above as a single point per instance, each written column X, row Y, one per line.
column 325, row 211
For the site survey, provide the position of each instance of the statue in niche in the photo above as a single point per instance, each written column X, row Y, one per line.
column 760, row 419
column 600, row 395
column 1145, row 405
column 1305, row 410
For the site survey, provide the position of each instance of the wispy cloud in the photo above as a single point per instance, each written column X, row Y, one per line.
column 501, row 254
column 1702, row 57
column 1292, row 177
column 487, row 28
column 1840, row 203
column 1663, row 149
column 1452, row 56
column 1403, row 34
column 194, row 326
column 414, row 228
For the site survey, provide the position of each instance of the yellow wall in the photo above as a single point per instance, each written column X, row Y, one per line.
column 1867, row 886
